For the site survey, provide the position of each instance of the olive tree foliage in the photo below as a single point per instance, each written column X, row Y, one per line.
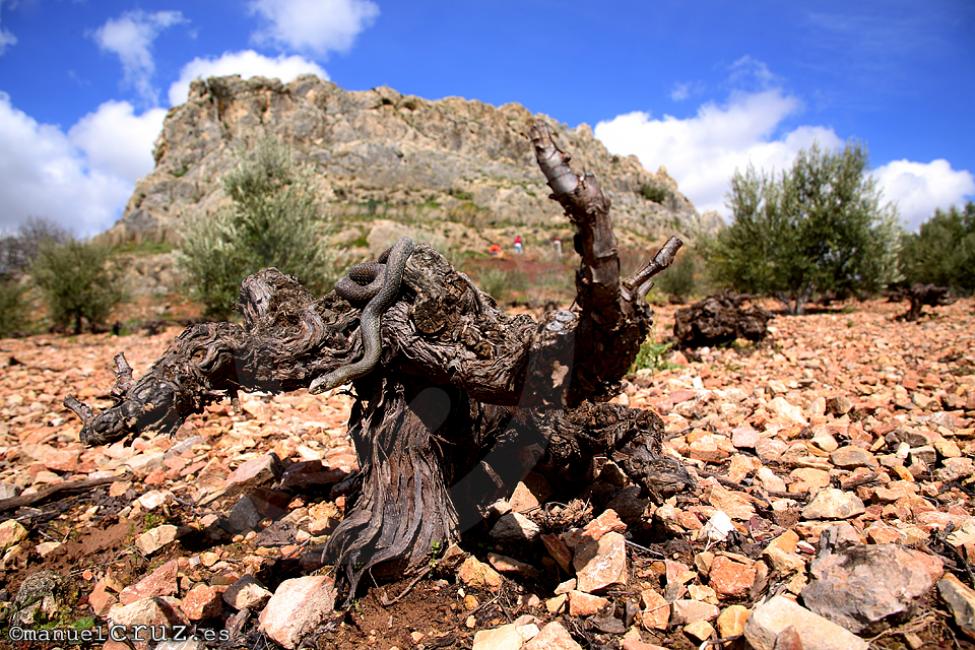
column 942, row 252
column 78, row 282
column 819, row 227
column 17, row 253
column 274, row 220
column 13, row 308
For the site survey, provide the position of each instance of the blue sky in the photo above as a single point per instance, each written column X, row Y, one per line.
column 701, row 88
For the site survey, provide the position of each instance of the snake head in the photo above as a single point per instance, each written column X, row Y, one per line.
column 323, row 384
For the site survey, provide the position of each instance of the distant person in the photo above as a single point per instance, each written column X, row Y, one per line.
column 557, row 245
column 519, row 245
column 494, row 250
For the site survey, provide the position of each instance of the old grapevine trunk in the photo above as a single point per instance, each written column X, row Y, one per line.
column 459, row 401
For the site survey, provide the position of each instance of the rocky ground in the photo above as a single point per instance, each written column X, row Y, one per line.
column 834, row 465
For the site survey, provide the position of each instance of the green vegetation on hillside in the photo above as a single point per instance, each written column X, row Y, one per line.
column 275, row 221
column 654, row 192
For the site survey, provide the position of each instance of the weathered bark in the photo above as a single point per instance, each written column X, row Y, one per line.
column 465, row 399
column 719, row 319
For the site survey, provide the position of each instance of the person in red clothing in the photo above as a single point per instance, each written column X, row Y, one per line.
column 519, row 246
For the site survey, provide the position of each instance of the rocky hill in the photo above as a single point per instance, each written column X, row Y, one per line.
column 458, row 172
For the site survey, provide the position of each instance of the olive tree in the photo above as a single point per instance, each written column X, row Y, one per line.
column 78, row 282
column 820, row 226
column 942, row 252
column 274, row 220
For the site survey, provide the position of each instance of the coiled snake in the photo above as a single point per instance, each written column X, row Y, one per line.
column 377, row 284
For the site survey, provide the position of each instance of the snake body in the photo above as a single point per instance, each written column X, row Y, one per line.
column 377, row 284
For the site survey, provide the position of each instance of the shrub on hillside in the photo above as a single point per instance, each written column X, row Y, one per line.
column 274, row 220
column 77, row 283
column 943, row 251
column 654, row 192
column 818, row 227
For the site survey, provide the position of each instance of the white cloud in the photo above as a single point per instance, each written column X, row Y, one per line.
column 749, row 72
column 117, row 141
column 130, row 37
column 6, row 36
column 247, row 63
column 6, row 40
column 920, row 188
column 81, row 179
column 317, row 26
column 680, row 91
column 702, row 151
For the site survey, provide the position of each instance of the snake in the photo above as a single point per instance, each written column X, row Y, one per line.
column 377, row 285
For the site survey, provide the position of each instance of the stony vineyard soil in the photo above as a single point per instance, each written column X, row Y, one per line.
column 844, row 421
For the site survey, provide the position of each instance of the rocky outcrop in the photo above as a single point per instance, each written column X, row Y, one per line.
column 451, row 169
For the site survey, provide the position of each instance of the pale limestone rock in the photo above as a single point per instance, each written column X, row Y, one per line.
column 297, row 607
column 732, row 619
column 201, row 602
column 11, row 533
column 475, row 573
column 160, row 610
column 849, row 457
column 601, row 564
column 505, row 637
column 699, row 630
column 553, row 637
column 154, row 539
column 686, row 611
column 831, row 503
column 961, row 601
column 583, row 604
column 772, row 617
column 252, row 473
column 856, row 587
column 656, row 610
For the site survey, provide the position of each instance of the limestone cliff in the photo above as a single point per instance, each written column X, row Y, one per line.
column 451, row 169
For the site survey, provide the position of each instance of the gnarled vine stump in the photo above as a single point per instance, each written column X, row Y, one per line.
column 462, row 400
column 720, row 319
column 920, row 295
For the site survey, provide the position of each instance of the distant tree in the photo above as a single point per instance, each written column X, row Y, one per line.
column 274, row 220
column 18, row 251
column 943, row 251
column 78, row 283
column 13, row 309
column 818, row 227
